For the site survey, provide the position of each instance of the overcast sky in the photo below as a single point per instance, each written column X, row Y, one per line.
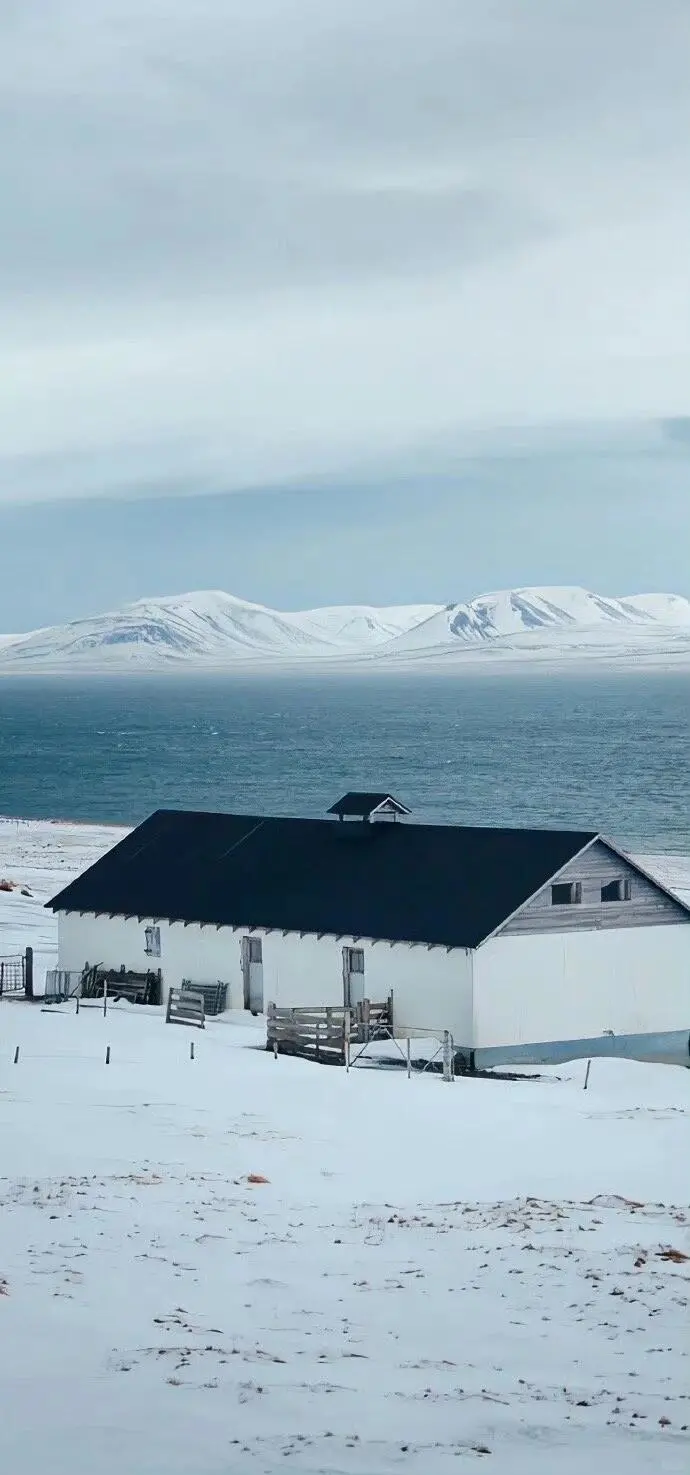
column 252, row 243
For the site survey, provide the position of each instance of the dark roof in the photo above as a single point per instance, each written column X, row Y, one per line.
column 361, row 805
column 440, row 884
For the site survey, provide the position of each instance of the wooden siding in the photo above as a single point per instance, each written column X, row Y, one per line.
column 596, row 867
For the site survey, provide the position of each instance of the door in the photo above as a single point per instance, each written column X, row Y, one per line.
column 253, row 974
column 353, row 976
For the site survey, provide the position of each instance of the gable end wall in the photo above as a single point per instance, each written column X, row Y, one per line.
column 648, row 906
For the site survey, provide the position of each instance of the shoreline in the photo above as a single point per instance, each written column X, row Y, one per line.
column 478, row 662
column 47, row 819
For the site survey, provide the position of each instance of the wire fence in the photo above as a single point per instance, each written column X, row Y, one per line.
column 13, row 975
column 441, row 1059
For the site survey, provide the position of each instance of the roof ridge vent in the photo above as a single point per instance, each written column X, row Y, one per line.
column 358, row 804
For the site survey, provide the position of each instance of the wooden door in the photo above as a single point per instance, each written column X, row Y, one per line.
column 253, row 974
column 353, row 976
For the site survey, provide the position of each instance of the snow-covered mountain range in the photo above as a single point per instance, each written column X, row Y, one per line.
column 213, row 629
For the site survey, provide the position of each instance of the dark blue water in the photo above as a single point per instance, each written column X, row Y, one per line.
column 608, row 752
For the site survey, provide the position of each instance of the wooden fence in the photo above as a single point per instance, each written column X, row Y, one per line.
column 185, row 1007
column 98, row 982
column 326, row 1034
column 215, row 995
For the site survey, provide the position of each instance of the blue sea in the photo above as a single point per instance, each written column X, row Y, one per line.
column 604, row 751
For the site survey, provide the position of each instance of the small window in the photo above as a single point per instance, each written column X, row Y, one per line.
column 153, row 941
column 254, row 950
column 619, row 890
column 566, row 893
column 355, row 959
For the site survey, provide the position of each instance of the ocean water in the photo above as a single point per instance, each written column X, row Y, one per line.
column 604, row 751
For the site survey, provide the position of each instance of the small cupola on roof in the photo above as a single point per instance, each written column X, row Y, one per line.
column 358, row 805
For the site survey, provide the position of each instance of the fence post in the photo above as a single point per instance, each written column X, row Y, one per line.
column 346, row 1038
column 408, row 1057
column 447, row 1056
column 105, row 996
column 272, row 1029
column 29, row 973
column 589, row 1067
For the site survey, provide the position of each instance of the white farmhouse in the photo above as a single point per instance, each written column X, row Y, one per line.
column 503, row 937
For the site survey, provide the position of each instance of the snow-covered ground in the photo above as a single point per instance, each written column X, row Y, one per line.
column 432, row 1275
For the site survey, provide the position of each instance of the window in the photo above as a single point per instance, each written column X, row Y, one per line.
column 355, row 959
column 566, row 893
column 153, row 941
column 619, row 890
column 254, row 953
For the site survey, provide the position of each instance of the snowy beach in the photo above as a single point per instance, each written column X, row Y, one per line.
column 39, row 857
column 233, row 1264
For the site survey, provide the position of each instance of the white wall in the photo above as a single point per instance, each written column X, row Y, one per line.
column 432, row 989
column 577, row 985
column 205, row 954
column 301, row 971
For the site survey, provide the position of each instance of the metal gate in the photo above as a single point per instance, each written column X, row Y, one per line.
column 12, row 975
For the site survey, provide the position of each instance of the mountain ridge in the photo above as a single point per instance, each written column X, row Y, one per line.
column 213, row 628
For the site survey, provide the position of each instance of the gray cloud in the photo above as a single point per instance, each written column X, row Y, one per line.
column 298, row 225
